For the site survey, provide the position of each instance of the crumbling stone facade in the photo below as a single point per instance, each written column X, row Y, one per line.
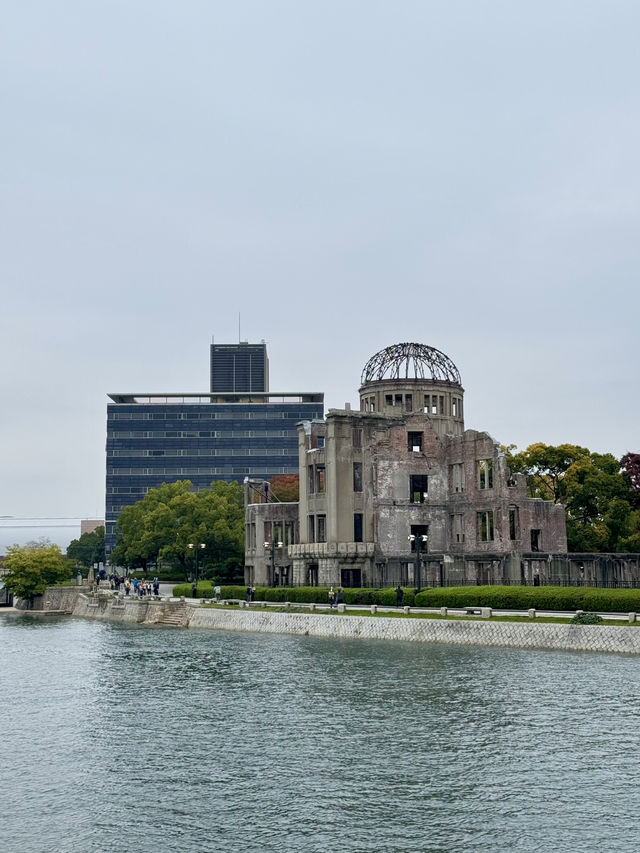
column 400, row 492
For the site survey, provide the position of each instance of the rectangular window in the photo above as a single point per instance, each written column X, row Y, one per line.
column 320, row 441
column 415, row 442
column 320, row 479
column 485, row 473
column 356, row 437
column 456, row 477
column 536, row 537
column 441, row 407
column 419, row 531
column 388, row 399
column 398, row 400
column 357, row 527
column 357, row 476
column 312, row 575
column 485, row 525
column 514, row 523
column 322, row 528
column 268, row 532
column 418, row 488
column 454, row 407
column 311, row 480
column 457, row 528
column 427, row 404
column 408, row 402
column 312, row 528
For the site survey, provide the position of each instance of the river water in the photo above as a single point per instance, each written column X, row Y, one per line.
column 126, row 738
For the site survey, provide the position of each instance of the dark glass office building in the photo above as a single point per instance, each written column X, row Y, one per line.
column 239, row 367
column 155, row 439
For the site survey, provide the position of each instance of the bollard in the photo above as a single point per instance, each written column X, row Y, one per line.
column 485, row 612
column 444, row 611
column 407, row 610
column 632, row 618
column 532, row 613
column 312, row 608
column 287, row 605
column 341, row 608
column 374, row 609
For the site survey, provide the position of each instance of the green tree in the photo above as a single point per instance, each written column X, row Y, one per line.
column 596, row 491
column 88, row 549
column 167, row 519
column 31, row 568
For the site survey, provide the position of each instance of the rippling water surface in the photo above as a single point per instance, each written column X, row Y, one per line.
column 119, row 738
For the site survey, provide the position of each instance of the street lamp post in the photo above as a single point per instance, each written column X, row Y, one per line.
column 271, row 546
column 417, row 563
column 196, row 546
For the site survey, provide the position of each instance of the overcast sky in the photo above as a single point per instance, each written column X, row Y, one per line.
column 346, row 175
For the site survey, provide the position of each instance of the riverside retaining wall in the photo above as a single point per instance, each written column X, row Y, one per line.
column 593, row 638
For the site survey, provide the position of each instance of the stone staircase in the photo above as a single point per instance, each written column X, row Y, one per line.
column 176, row 616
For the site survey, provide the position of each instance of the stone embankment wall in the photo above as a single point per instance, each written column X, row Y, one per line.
column 594, row 638
column 54, row 598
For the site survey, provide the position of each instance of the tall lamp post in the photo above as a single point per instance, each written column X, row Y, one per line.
column 420, row 540
column 195, row 547
column 271, row 547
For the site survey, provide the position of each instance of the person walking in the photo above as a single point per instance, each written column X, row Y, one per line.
column 399, row 596
column 332, row 598
column 194, row 590
column 217, row 592
column 340, row 596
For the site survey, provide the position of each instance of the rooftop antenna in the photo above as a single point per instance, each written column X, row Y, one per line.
column 239, row 338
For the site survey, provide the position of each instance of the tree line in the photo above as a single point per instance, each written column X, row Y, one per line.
column 600, row 494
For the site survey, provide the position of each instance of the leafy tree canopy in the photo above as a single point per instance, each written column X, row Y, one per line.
column 285, row 487
column 163, row 524
column 88, row 549
column 596, row 489
column 31, row 568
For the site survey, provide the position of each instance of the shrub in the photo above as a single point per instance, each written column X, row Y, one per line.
column 586, row 619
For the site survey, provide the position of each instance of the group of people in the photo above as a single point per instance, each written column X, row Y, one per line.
column 142, row 587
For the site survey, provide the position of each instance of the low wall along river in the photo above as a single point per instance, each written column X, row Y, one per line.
column 189, row 614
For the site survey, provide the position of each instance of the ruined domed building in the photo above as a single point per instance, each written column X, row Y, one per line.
column 401, row 492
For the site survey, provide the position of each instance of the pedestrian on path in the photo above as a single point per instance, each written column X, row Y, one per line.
column 332, row 598
column 399, row 596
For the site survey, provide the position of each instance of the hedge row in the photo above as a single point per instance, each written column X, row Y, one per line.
column 498, row 597
column 538, row 597
column 299, row 594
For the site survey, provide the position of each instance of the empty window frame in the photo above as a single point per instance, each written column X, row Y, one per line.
column 485, row 525
column 454, row 407
column 357, row 476
column 408, row 402
column 321, row 527
column 356, row 437
column 320, row 479
column 311, row 483
column 311, row 522
column 536, row 540
column 357, row 527
column 414, row 441
column 418, row 488
column 485, row 474
column 514, row 523
column 456, row 477
column 418, row 531
column 457, row 528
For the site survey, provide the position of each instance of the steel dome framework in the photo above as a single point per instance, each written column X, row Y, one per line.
column 410, row 361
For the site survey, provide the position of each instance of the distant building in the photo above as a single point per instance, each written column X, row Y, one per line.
column 239, row 367
column 88, row 525
column 156, row 438
column 400, row 492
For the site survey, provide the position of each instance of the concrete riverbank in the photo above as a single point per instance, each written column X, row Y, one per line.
column 189, row 614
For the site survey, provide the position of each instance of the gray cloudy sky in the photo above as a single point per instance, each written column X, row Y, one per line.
column 347, row 175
